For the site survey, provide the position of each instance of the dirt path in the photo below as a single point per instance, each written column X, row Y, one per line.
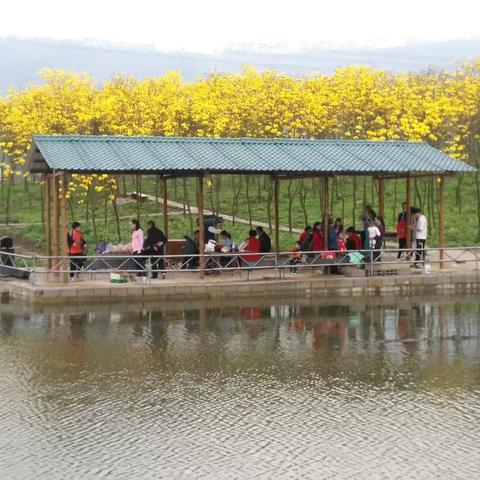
column 225, row 216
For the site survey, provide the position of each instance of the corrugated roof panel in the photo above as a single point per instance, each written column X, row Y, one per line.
column 204, row 155
column 369, row 157
column 277, row 159
column 429, row 156
column 342, row 160
column 180, row 154
column 243, row 158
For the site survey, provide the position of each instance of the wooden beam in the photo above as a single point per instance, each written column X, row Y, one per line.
column 165, row 210
column 276, row 204
column 48, row 217
column 441, row 218
column 64, row 226
column 56, row 215
column 408, row 200
column 381, row 197
column 325, row 212
column 201, row 227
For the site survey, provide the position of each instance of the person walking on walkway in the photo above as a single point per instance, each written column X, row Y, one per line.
column 421, row 230
column 154, row 246
column 77, row 247
column 402, row 231
column 265, row 241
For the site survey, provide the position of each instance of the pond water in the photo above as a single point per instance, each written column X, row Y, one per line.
column 291, row 390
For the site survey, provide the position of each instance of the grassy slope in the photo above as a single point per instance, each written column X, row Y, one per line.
column 461, row 228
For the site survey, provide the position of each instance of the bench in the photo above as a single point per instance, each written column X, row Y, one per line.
column 263, row 263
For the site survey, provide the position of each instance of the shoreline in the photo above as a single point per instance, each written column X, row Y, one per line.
column 305, row 287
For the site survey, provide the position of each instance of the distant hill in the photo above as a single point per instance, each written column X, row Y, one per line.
column 22, row 58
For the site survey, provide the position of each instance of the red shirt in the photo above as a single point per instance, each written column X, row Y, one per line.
column 402, row 229
column 253, row 246
column 318, row 243
column 303, row 237
column 354, row 239
column 77, row 238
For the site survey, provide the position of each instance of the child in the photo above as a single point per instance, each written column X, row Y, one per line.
column 77, row 247
column 296, row 257
column 353, row 240
column 373, row 234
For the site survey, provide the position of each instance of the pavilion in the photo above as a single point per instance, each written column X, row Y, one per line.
column 58, row 156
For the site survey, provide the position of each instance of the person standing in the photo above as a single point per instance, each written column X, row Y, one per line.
column 421, row 230
column 265, row 241
column 318, row 242
column 154, row 246
column 366, row 219
column 332, row 243
column 304, row 235
column 137, row 246
column 77, row 247
column 402, row 231
column 353, row 240
column 339, row 228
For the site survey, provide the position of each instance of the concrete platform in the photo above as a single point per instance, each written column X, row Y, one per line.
column 231, row 287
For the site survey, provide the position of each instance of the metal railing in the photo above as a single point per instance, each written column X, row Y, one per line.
column 372, row 262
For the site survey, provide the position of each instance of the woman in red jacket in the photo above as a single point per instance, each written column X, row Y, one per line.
column 252, row 247
column 318, row 242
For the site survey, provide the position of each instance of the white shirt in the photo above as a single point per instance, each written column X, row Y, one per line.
column 373, row 232
column 421, row 228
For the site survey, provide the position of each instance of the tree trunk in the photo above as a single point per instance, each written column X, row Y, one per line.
column 9, row 196
column 354, row 201
column 117, row 219
column 249, row 206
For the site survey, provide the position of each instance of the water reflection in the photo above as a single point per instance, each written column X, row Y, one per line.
column 243, row 391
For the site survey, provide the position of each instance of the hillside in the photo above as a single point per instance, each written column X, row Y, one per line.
column 23, row 58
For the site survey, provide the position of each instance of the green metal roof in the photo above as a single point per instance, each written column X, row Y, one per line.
column 185, row 155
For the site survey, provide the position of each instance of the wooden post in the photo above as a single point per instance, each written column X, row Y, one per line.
column 441, row 218
column 56, row 216
column 64, row 226
column 381, row 197
column 48, row 218
column 165, row 210
column 325, row 211
column 276, row 200
column 201, row 227
column 408, row 201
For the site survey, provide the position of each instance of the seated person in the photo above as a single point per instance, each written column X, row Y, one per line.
column 296, row 257
column 252, row 246
column 191, row 248
column 227, row 246
column 265, row 241
column 353, row 241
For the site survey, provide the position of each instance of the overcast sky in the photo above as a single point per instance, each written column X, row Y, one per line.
column 209, row 25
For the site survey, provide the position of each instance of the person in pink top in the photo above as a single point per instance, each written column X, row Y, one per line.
column 137, row 245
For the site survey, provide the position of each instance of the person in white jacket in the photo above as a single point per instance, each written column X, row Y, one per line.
column 421, row 231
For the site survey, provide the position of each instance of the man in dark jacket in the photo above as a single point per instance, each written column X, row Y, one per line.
column 154, row 246
column 265, row 242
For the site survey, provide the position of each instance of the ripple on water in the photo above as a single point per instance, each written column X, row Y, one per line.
column 263, row 397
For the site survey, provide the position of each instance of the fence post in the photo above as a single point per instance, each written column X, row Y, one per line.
column 33, row 278
column 276, row 266
column 149, row 270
